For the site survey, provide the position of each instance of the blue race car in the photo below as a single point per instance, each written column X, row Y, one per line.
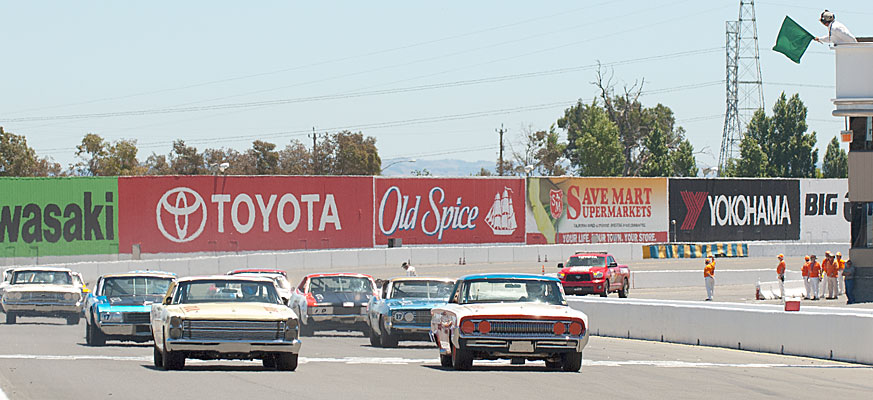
column 119, row 307
column 403, row 311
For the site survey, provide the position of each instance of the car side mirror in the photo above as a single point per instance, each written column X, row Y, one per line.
column 167, row 300
column 560, row 265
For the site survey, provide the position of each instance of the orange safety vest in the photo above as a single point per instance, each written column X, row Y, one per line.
column 831, row 268
column 805, row 270
column 709, row 270
column 780, row 269
column 814, row 269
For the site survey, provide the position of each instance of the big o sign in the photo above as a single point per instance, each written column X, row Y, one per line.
column 176, row 214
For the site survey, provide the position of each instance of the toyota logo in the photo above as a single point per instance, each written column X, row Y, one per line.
column 181, row 211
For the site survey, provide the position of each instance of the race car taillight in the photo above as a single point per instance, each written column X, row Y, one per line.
column 310, row 300
column 559, row 328
column 484, row 327
column 468, row 327
column 576, row 328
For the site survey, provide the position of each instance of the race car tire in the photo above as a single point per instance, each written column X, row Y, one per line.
column 605, row 291
column 73, row 319
column 10, row 318
column 374, row 338
column 462, row 360
column 366, row 330
column 625, row 288
column 93, row 335
column 286, row 361
column 269, row 361
column 172, row 360
column 572, row 362
column 446, row 360
column 386, row 339
column 157, row 357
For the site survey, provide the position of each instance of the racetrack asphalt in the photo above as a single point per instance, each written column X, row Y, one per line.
column 42, row 358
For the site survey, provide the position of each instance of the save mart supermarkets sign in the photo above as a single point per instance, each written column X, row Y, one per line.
column 58, row 216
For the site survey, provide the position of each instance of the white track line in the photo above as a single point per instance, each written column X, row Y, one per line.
column 404, row 361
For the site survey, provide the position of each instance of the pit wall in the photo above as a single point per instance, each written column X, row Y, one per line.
column 754, row 327
column 353, row 260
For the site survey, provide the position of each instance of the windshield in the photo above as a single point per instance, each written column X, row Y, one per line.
column 431, row 290
column 511, row 290
column 135, row 286
column 42, row 277
column 230, row 291
column 335, row 284
column 587, row 261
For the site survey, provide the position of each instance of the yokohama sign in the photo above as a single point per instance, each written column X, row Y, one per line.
column 445, row 211
column 735, row 209
column 219, row 213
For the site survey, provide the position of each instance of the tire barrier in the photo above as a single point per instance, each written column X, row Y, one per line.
column 687, row 250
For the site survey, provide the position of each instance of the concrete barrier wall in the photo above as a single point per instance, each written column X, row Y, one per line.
column 353, row 259
column 763, row 328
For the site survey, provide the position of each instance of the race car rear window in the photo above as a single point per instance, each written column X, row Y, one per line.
column 335, row 284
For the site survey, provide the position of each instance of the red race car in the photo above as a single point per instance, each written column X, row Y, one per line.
column 594, row 272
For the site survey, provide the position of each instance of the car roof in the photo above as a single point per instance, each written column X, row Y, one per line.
column 53, row 269
column 257, row 271
column 241, row 278
column 160, row 274
column 590, row 253
column 508, row 276
column 419, row 278
column 350, row 274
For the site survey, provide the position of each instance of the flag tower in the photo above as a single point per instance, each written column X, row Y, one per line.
column 744, row 93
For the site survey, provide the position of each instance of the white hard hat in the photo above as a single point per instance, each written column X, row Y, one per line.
column 827, row 17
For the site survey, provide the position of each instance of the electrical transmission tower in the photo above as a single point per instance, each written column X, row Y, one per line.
column 744, row 93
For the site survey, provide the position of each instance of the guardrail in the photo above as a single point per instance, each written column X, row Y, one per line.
column 755, row 327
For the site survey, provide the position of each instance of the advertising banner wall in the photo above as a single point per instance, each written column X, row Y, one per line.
column 825, row 213
column 450, row 210
column 709, row 210
column 596, row 210
column 58, row 216
column 237, row 213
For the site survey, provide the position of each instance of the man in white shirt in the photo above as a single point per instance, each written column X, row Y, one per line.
column 410, row 270
column 837, row 32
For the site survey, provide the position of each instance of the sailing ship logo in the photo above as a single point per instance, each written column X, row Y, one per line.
column 501, row 217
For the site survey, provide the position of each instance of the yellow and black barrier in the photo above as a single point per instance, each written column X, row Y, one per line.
column 688, row 250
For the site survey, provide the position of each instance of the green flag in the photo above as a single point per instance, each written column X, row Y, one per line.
column 793, row 40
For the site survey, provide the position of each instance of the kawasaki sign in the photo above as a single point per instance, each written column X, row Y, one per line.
column 735, row 209
column 58, row 216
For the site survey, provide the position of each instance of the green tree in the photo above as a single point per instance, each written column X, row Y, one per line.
column 19, row 159
column 790, row 151
column 684, row 163
column 295, row 159
column 752, row 162
column 102, row 158
column 237, row 163
column 265, row 156
column 157, row 164
column 355, row 154
column 593, row 144
column 421, row 172
column 836, row 161
column 541, row 153
column 658, row 161
column 185, row 160
column 484, row 172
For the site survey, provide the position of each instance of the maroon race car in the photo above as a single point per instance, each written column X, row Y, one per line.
column 594, row 273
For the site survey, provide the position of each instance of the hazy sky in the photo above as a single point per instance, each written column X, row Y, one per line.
column 427, row 79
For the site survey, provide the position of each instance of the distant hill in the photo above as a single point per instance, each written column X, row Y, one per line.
column 446, row 167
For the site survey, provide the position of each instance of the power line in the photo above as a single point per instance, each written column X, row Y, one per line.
column 320, row 63
column 442, row 85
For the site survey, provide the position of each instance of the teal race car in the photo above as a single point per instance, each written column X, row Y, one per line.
column 403, row 310
column 119, row 307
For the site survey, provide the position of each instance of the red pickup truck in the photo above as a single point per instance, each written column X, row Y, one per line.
column 590, row 273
